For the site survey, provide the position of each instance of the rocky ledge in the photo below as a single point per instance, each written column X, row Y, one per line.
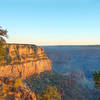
column 24, row 60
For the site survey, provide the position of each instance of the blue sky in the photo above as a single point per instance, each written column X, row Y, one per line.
column 51, row 22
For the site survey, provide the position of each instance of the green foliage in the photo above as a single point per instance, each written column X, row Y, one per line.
column 17, row 83
column 3, row 33
column 98, row 98
column 96, row 78
column 2, row 52
column 51, row 93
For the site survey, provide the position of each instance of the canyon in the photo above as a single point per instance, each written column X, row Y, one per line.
column 33, row 66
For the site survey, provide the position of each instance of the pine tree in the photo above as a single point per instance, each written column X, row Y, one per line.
column 96, row 79
column 3, row 33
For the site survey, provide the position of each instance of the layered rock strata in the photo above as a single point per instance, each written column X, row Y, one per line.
column 24, row 60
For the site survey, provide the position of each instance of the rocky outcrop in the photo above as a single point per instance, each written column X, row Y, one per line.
column 24, row 60
column 13, row 89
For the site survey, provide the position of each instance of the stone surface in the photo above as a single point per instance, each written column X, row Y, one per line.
column 9, row 91
column 24, row 60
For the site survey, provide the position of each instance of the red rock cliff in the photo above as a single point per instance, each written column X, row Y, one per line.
column 24, row 60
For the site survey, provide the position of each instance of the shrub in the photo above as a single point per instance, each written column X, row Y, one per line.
column 51, row 93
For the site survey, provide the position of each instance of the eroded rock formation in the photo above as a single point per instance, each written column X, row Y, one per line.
column 14, row 89
column 24, row 60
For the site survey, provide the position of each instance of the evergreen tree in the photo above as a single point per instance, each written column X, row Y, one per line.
column 3, row 33
column 96, row 77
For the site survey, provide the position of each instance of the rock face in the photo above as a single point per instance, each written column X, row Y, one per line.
column 24, row 60
column 13, row 89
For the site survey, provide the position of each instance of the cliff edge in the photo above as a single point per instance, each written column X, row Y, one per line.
column 24, row 60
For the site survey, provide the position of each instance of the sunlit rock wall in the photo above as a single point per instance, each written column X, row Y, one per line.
column 24, row 60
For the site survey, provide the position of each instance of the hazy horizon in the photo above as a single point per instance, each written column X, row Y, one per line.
column 52, row 22
column 55, row 44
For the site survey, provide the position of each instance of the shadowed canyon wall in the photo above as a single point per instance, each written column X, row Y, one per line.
column 24, row 60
